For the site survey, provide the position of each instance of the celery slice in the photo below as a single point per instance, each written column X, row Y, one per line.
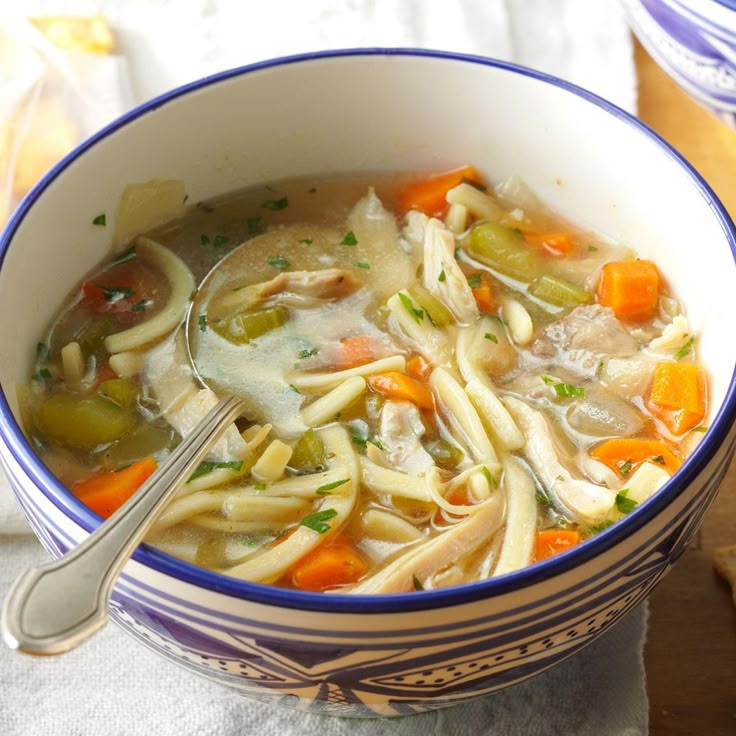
column 120, row 391
column 309, row 453
column 559, row 292
column 504, row 250
column 242, row 328
column 444, row 453
column 82, row 423
column 437, row 312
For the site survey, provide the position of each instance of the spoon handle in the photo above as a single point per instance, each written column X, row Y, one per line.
column 55, row 607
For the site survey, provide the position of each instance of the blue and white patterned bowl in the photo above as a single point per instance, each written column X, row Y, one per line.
column 373, row 110
column 694, row 41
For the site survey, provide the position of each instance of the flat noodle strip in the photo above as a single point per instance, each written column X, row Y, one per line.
column 185, row 507
column 327, row 407
column 384, row 480
column 476, row 202
column 273, row 563
column 229, row 526
column 517, row 548
column 317, row 382
column 182, row 287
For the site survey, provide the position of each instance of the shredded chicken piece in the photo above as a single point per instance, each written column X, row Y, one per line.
column 182, row 401
column 429, row 557
column 577, row 498
column 674, row 337
column 580, row 340
column 443, row 276
column 400, row 432
column 292, row 288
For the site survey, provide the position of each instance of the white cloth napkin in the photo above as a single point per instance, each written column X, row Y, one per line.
column 110, row 687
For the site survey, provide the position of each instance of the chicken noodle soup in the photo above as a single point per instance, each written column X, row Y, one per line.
column 444, row 382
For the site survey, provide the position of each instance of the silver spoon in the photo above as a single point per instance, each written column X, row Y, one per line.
column 56, row 606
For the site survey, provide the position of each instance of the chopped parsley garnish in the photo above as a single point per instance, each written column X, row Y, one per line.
column 114, row 294
column 685, row 350
column 442, row 277
column 278, row 262
column 487, row 475
column 600, row 527
column 208, row 467
column 318, row 520
column 458, row 252
column 140, row 306
column 417, row 314
column 220, row 240
column 127, row 255
column 363, row 264
column 349, row 239
column 474, row 280
column 416, row 582
column 306, row 241
column 490, row 336
column 625, row 468
column 42, row 350
column 700, row 429
column 499, row 319
column 100, row 220
column 592, row 248
column 543, row 499
column 254, row 227
column 276, row 204
column 659, row 459
column 564, row 390
column 204, row 239
column 260, row 486
column 308, row 353
column 599, row 368
column 42, row 374
column 359, row 432
column 294, row 388
column 202, row 322
column 327, row 487
column 623, row 503
column 376, row 443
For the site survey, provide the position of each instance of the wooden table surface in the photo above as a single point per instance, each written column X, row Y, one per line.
column 690, row 654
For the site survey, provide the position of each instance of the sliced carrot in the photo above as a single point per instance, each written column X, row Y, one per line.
column 355, row 351
column 106, row 493
column 625, row 454
column 678, row 395
column 328, row 566
column 418, row 367
column 429, row 195
column 553, row 541
column 460, row 496
column 482, row 288
column 395, row 385
column 630, row 288
column 556, row 244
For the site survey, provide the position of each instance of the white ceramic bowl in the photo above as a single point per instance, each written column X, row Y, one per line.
column 694, row 41
column 373, row 110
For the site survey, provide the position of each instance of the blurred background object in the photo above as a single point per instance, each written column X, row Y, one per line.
column 695, row 43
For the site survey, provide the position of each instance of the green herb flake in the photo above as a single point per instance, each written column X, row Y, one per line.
column 127, row 255
column 100, row 220
column 207, row 467
column 625, row 468
column 600, row 367
column 115, row 294
column 327, row 487
column 659, row 459
column 202, row 322
column 363, row 264
column 598, row 528
column 253, row 226
column 685, row 350
column 625, row 504
column 349, row 239
column 42, row 350
column 276, row 204
column 458, row 252
column 416, row 582
column 220, row 240
column 376, row 443
column 294, row 388
column 442, row 277
column 307, row 241
column 260, row 486
column 701, row 429
column 592, row 248
column 417, row 314
column 318, row 520
column 487, row 475
column 204, row 239
column 186, row 198
column 474, row 280
column 308, row 353
column 543, row 499
column 490, row 336
column 278, row 262
column 500, row 319
column 359, row 432
column 140, row 306
column 564, row 390
column 42, row 374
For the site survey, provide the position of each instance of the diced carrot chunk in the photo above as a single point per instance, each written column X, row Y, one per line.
column 678, row 395
column 625, row 454
column 553, row 541
column 395, row 385
column 429, row 195
column 630, row 288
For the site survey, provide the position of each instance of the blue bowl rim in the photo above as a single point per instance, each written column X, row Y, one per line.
column 31, row 464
